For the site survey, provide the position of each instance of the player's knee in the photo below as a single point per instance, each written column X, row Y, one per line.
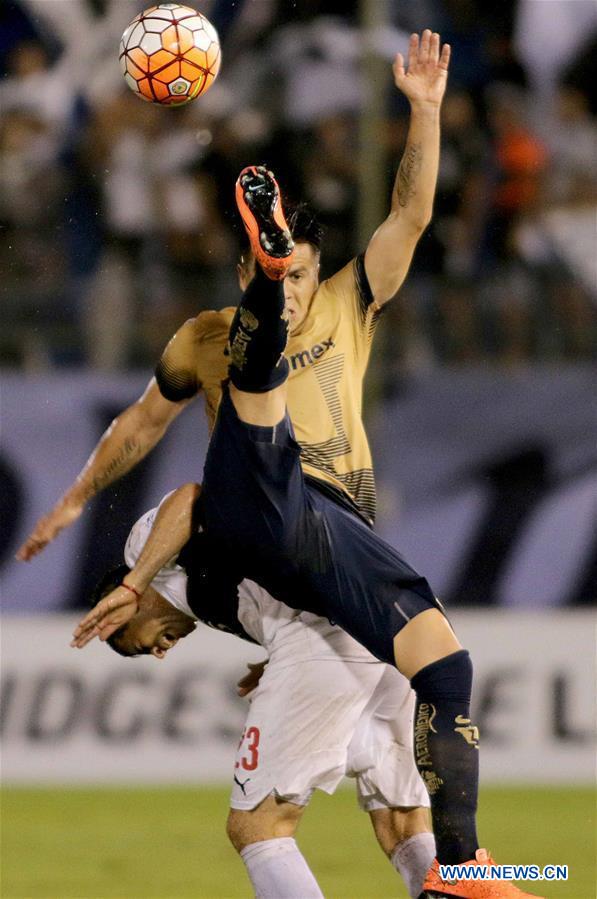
column 426, row 638
column 238, row 829
column 272, row 819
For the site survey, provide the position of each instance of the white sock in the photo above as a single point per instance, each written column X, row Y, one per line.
column 412, row 859
column 278, row 870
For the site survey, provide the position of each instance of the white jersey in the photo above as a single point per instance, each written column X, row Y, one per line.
column 324, row 708
column 287, row 632
column 171, row 580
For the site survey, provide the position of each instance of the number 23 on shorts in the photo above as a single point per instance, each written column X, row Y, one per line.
column 249, row 760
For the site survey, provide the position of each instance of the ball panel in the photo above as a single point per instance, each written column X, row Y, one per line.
column 150, row 42
column 170, row 73
column 202, row 39
column 160, row 90
column 200, row 86
column 186, row 13
column 139, row 58
column 160, row 59
column 188, row 70
column 194, row 22
column 162, row 11
column 170, row 38
column 132, row 83
column 211, row 31
column 174, row 12
column 134, row 70
column 145, row 89
column 211, row 77
column 214, row 57
column 198, row 57
column 135, row 37
column 185, row 39
column 154, row 25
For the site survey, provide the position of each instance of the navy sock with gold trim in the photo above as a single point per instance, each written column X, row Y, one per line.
column 258, row 337
column 446, row 753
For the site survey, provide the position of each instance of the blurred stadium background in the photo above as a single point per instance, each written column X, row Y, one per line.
column 117, row 223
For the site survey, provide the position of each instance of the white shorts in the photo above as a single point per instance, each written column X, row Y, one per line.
column 313, row 722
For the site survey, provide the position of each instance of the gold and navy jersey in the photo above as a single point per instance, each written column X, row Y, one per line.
column 327, row 359
column 195, row 359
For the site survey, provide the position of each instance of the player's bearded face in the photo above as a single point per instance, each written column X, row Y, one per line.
column 301, row 283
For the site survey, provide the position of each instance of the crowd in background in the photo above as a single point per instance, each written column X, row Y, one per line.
column 118, row 218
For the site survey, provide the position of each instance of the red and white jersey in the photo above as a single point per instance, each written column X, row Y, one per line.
column 325, row 708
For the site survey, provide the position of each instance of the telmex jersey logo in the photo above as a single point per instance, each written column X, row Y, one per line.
column 308, row 357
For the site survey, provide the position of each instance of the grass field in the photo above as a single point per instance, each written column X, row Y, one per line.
column 150, row 843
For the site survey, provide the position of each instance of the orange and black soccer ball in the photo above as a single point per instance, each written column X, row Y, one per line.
column 170, row 54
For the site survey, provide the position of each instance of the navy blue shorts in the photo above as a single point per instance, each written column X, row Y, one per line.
column 304, row 548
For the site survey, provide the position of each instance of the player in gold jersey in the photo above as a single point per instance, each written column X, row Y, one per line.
column 331, row 329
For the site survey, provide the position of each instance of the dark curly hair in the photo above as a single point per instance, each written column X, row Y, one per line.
column 303, row 223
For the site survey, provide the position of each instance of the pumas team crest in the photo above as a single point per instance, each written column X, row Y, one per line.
column 248, row 320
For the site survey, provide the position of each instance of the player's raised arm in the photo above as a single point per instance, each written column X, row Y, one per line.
column 171, row 529
column 127, row 441
column 423, row 82
column 122, row 446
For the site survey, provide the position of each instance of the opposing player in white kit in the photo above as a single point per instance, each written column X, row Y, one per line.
column 324, row 708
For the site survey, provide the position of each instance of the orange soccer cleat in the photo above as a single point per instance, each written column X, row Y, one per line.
column 436, row 888
column 259, row 203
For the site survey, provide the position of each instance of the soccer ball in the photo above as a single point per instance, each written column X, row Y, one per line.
column 170, row 54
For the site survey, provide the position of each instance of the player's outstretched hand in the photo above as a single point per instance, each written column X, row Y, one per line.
column 47, row 529
column 107, row 616
column 248, row 683
column 424, row 78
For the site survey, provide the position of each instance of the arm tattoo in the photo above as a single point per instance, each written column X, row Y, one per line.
column 117, row 466
column 410, row 167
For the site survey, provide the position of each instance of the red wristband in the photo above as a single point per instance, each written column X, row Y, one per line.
column 132, row 589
